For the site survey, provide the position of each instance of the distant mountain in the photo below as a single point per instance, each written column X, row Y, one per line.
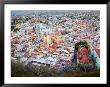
column 21, row 12
column 49, row 12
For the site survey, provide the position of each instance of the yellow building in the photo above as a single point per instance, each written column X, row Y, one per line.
column 18, row 26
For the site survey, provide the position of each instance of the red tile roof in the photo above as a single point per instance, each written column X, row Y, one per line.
column 97, row 51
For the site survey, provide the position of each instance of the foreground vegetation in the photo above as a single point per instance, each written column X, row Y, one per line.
column 21, row 70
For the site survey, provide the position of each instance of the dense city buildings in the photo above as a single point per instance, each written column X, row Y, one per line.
column 58, row 40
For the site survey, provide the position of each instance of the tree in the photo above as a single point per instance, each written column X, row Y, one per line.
column 81, row 44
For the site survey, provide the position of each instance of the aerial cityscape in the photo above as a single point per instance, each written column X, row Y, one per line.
column 55, row 43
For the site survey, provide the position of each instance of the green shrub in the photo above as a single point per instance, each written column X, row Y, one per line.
column 21, row 70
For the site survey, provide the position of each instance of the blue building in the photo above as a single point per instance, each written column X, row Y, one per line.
column 96, row 57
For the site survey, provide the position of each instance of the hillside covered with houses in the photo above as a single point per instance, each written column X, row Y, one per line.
column 55, row 43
